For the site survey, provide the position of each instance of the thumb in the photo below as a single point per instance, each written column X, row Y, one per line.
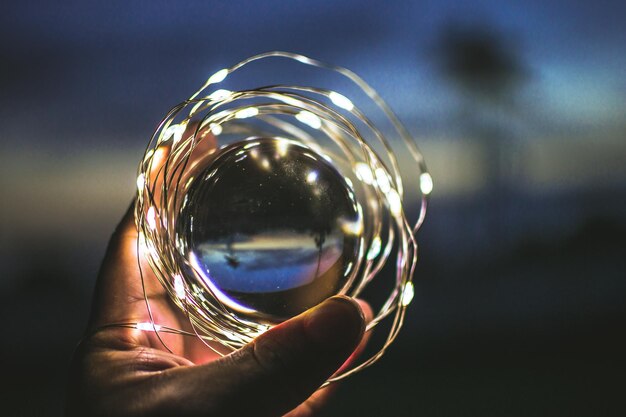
column 273, row 374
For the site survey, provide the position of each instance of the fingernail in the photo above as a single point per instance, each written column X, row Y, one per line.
column 336, row 323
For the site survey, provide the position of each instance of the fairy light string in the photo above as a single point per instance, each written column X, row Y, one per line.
column 325, row 121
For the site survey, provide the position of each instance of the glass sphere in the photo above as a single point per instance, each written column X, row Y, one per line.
column 271, row 228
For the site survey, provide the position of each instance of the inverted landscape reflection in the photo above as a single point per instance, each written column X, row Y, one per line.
column 271, row 226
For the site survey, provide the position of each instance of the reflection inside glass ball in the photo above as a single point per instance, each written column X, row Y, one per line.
column 271, row 228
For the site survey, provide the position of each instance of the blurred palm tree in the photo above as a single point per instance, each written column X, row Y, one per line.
column 486, row 70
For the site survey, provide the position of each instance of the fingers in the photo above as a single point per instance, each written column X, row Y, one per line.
column 368, row 315
column 113, row 294
column 272, row 375
column 119, row 295
column 319, row 398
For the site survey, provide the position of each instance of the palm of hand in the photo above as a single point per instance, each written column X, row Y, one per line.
column 124, row 371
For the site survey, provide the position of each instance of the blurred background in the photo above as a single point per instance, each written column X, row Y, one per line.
column 519, row 108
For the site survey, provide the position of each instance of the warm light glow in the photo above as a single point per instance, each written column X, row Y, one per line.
column 232, row 336
column 141, row 182
column 219, row 95
column 216, row 129
column 158, row 158
column 352, row 228
column 282, row 146
column 348, row 269
column 148, row 155
column 319, row 122
column 290, row 100
column 407, row 294
column 303, row 59
column 151, row 217
column 426, row 183
column 374, row 250
column 341, row 101
column 247, row 112
column 143, row 245
column 147, row 327
column 179, row 287
column 364, row 173
column 218, row 76
column 395, row 203
column 382, row 180
column 174, row 131
column 251, row 145
column 309, row 119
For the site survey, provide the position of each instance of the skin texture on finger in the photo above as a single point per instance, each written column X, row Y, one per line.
column 273, row 374
column 316, row 402
column 268, row 377
column 117, row 290
column 119, row 295
column 122, row 371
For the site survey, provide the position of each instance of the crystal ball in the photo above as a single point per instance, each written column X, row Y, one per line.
column 271, row 228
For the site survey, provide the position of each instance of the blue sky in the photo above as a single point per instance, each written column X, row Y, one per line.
column 85, row 83
column 113, row 68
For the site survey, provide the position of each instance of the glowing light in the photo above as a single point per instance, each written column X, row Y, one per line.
column 151, row 217
column 395, row 203
column 374, row 250
column 148, row 327
column 309, row 119
column 303, row 59
column 352, row 228
column 216, row 129
column 146, row 247
column 282, row 146
column 341, row 101
column 179, row 287
column 299, row 114
column 218, row 77
column 382, row 180
column 158, row 158
column 348, row 269
column 141, row 181
column 407, row 294
column 143, row 246
column 175, row 132
column 247, row 112
column 426, row 183
column 232, row 336
column 219, row 95
column 251, row 145
column 290, row 100
column 148, row 155
column 311, row 156
column 364, row 173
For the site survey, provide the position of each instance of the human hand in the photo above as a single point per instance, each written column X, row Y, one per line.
column 127, row 372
